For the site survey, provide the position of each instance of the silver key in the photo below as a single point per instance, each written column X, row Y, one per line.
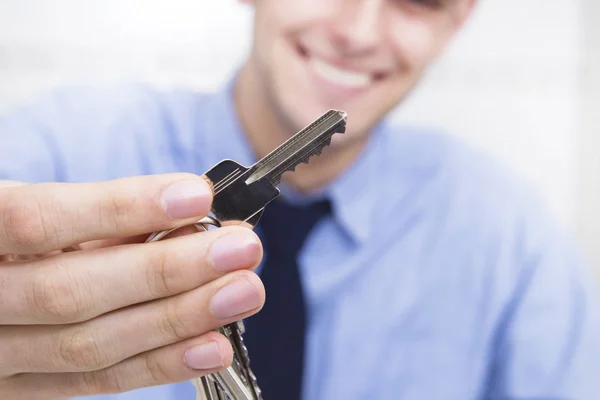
column 240, row 196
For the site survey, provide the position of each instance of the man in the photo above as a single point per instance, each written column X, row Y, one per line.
column 428, row 272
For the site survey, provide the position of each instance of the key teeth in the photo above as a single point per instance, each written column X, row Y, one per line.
column 275, row 180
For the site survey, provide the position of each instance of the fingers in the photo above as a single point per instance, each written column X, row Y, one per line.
column 36, row 219
column 81, row 285
column 179, row 362
column 114, row 337
column 7, row 184
column 97, row 244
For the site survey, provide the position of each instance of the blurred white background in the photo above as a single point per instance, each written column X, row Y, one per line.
column 520, row 81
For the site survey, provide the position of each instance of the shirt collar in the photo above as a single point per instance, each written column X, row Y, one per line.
column 353, row 193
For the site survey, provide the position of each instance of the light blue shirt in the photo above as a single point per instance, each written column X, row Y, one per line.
column 439, row 276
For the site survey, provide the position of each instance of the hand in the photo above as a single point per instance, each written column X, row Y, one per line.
column 116, row 314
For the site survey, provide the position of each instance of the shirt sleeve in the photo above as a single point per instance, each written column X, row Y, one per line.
column 76, row 134
column 30, row 151
column 549, row 342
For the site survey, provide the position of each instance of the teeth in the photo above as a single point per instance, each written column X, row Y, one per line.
column 339, row 76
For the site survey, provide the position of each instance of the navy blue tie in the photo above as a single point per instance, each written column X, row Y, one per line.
column 275, row 336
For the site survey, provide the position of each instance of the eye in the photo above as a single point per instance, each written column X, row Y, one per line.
column 425, row 4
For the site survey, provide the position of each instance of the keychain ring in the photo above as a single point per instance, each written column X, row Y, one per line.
column 201, row 225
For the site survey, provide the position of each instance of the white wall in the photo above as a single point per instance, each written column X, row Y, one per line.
column 588, row 210
column 44, row 43
column 510, row 83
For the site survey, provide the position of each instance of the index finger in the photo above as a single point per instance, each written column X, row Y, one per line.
column 45, row 217
column 5, row 184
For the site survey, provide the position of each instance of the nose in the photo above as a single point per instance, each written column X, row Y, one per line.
column 358, row 24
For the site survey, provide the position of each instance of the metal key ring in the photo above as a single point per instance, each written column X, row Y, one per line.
column 200, row 226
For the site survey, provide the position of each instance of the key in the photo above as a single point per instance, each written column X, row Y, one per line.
column 240, row 196
column 241, row 193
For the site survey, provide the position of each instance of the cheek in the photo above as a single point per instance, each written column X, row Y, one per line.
column 414, row 41
column 288, row 16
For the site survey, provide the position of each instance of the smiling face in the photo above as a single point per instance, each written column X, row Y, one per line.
column 360, row 56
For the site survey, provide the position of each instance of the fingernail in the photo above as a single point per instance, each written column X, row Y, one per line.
column 205, row 356
column 234, row 251
column 186, row 199
column 236, row 298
